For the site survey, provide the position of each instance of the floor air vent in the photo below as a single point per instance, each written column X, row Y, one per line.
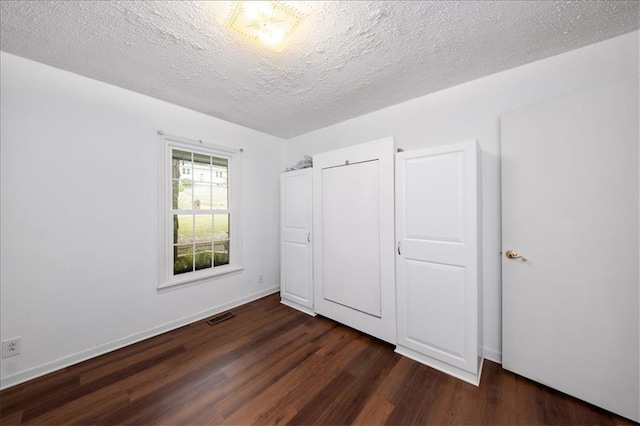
column 221, row 317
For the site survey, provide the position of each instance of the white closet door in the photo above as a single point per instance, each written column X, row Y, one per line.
column 351, row 210
column 354, row 243
column 296, row 268
column 437, row 196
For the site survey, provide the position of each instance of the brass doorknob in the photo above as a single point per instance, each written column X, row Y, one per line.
column 512, row 254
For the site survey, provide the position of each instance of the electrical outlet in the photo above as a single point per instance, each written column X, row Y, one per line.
column 260, row 279
column 11, row 347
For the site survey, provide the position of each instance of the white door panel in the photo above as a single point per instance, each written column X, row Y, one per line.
column 435, row 211
column 354, row 246
column 351, row 216
column 295, row 190
column 436, row 308
column 296, row 255
column 570, row 206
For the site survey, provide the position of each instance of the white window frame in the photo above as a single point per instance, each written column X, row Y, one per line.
column 165, row 235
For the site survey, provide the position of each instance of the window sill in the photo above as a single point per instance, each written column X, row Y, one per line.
column 181, row 282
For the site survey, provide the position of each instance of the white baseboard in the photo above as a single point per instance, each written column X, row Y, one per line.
column 104, row 348
column 492, row 355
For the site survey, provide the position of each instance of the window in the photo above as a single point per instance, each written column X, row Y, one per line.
column 200, row 215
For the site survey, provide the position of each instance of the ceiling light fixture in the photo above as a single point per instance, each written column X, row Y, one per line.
column 270, row 23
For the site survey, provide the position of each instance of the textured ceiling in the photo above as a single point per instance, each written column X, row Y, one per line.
column 347, row 58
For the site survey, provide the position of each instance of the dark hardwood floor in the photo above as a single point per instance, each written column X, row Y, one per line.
column 271, row 364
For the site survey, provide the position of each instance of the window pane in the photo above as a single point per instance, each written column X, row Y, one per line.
column 201, row 196
column 221, row 253
column 221, row 227
column 182, row 229
column 182, row 259
column 181, row 164
column 181, row 194
column 175, row 193
column 219, row 162
column 220, row 197
column 201, row 168
column 204, row 228
column 203, row 256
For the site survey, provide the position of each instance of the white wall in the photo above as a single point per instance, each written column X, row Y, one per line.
column 79, row 217
column 472, row 111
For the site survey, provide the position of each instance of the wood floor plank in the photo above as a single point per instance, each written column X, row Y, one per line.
column 443, row 405
column 124, row 353
column 271, row 364
column 370, row 368
column 195, row 413
column 165, row 402
column 79, row 410
column 468, row 404
column 500, row 394
column 375, row 411
column 248, row 352
column 108, row 368
column 396, row 381
column 325, row 402
column 39, row 407
column 269, row 347
column 292, row 390
column 209, row 358
column 13, row 402
column 327, row 370
column 410, row 404
column 12, row 419
column 272, row 373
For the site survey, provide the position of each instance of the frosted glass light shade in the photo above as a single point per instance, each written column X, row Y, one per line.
column 270, row 23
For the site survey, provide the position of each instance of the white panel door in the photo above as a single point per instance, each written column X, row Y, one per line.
column 570, row 207
column 296, row 267
column 351, row 216
column 437, row 226
column 354, row 243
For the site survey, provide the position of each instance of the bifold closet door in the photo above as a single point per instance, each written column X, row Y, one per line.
column 353, row 248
